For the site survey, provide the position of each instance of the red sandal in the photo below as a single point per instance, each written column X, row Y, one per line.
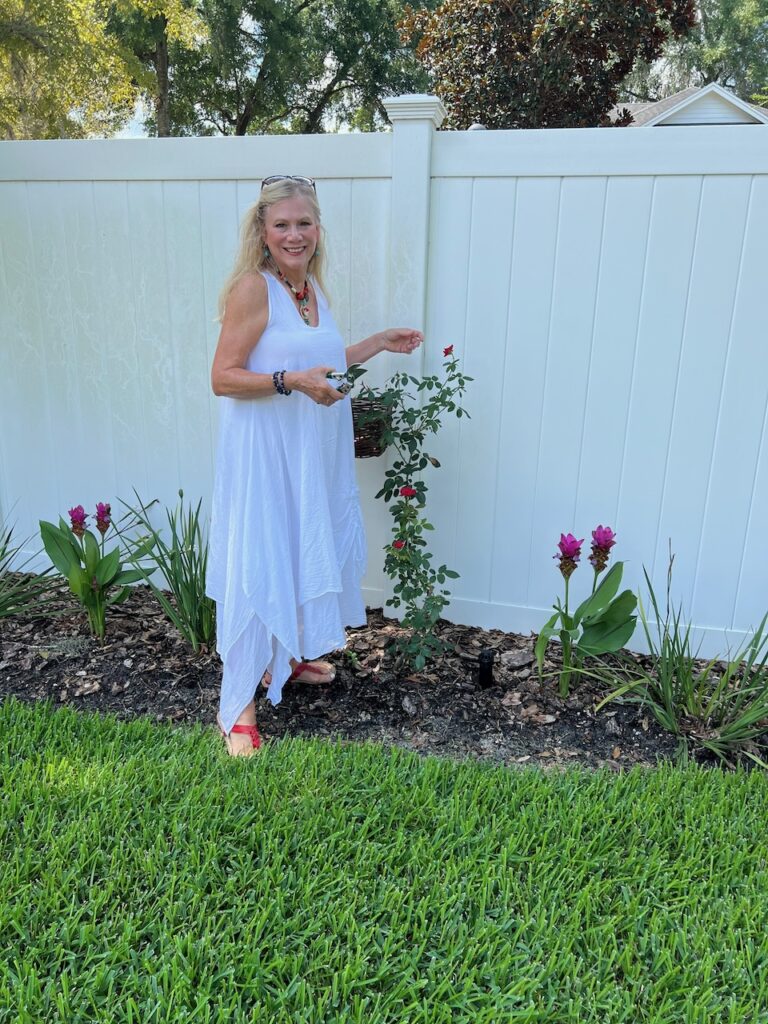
column 308, row 666
column 246, row 730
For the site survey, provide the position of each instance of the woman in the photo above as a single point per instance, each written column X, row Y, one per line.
column 287, row 548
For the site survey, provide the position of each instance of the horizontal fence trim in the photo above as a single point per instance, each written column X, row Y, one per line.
column 566, row 152
column 209, row 159
column 706, row 641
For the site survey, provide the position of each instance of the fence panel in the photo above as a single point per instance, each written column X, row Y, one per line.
column 604, row 288
column 629, row 283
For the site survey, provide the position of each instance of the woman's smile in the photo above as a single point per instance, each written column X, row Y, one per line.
column 291, row 234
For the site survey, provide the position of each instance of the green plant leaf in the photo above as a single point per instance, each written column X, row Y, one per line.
column 78, row 582
column 605, row 637
column 129, row 576
column 59, row 547
column 547, row 632
column 91, row 553
column 108, row 567
column 621, row 607
column 604, row 593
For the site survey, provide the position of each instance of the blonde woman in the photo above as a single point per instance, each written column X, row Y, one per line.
column 287, row 547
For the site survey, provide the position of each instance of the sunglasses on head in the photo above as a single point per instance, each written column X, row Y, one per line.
column 288, row 177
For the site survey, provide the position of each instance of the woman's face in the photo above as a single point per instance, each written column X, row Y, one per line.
column 291, row 234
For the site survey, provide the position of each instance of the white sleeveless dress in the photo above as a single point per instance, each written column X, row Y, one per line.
column 287, row 546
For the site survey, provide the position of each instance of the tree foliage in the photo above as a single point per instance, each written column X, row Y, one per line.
column 64, row 71
column 538, row 63
column 72, row 68
column 61, row 75
column 728, row 45
column 288, row 65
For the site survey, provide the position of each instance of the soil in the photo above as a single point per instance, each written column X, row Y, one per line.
column 144, row 667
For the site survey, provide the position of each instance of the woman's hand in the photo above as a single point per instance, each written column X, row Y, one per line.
column 401, row 339
column 314, row 384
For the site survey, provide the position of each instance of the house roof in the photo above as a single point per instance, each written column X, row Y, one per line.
column 710, row 104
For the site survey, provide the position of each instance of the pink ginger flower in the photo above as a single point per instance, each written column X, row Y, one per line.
column 103, row 517
column 603, row 539
column 570, row 552
column 77, row 518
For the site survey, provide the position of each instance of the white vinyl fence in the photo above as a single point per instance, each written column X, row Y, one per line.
column 604, row 287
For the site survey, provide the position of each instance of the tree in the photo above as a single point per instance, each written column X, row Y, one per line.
column 538, row 63
column 287, row 65
column 728, row 45
column 65, row 74
column 60, row 73
column 147, row 31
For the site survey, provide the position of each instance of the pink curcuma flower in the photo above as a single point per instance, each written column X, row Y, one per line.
column 397, row 544
column 569, row 546
column 103, row 517
column 408, row 492
column 603, row 539
column 77, row 518
column 448, row 351
column 570, row 552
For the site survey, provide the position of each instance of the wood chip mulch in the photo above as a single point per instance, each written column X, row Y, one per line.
column 143, row 667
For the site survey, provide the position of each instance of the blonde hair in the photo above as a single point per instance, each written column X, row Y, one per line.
column 252, row 255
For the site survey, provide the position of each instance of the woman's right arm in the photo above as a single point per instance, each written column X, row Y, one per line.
column 245, row 319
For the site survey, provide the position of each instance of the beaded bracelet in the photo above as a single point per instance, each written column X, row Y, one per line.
column 278, row 380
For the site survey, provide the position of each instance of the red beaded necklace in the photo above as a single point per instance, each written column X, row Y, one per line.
column 301, row 295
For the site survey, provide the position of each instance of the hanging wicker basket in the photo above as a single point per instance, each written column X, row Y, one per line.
column 370, row 419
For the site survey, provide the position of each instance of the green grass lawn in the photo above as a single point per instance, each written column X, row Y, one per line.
column 146, row 877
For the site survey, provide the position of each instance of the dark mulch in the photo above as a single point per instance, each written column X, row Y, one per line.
column 143, row 667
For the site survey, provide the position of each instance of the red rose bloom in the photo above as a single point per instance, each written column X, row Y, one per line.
column 448, row 351
column 408, row 492
column 397, row 544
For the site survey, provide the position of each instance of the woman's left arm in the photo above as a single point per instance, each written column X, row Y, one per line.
column 395, row 339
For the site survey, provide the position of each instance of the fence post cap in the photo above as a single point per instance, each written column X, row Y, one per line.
column 415, row 107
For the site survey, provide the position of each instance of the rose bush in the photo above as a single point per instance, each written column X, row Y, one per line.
column 418, row 585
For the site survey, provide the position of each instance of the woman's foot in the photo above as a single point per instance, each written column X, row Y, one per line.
column 316, row 673
column 244, row 739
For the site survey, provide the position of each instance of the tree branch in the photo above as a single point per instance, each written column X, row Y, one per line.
column 315, row 114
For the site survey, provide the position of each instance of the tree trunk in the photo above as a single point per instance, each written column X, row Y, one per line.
column 313, row 123
column 162, row 98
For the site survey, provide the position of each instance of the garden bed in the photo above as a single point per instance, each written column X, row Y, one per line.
column 143, row 667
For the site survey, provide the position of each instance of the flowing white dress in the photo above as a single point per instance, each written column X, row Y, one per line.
column 287, row 546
